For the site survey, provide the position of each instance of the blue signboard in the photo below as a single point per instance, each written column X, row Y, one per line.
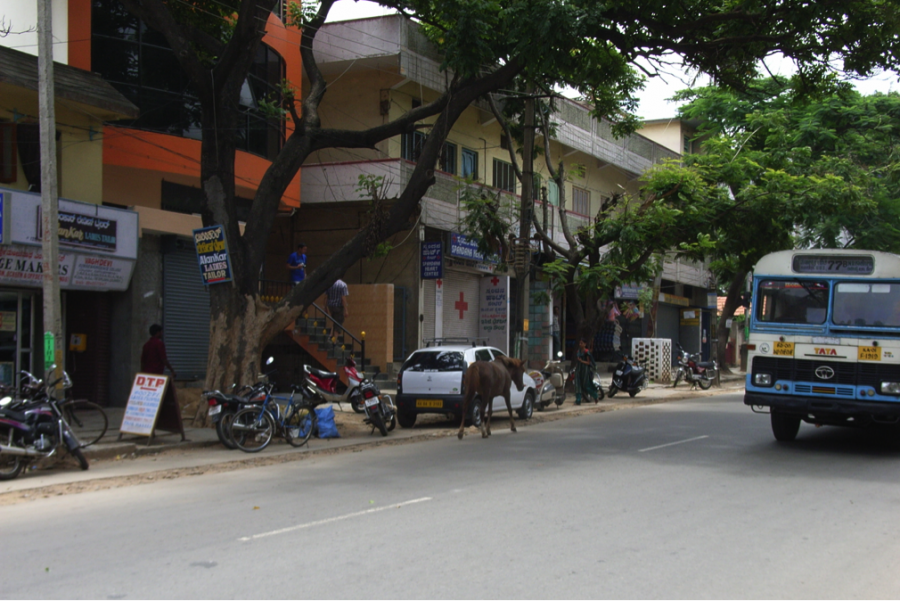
column 212, row 254
column 432, row 261
column 465, row 248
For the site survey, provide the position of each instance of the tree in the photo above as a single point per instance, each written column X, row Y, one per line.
column 808, row 172
column 486, row 45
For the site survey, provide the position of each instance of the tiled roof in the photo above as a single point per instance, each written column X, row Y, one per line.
column 720, row 303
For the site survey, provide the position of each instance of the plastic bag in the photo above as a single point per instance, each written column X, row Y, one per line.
column 327, row 427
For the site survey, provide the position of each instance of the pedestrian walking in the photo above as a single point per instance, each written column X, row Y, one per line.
column 296, row 264
column 337, row 305
column 555, row 331
column 584, row 374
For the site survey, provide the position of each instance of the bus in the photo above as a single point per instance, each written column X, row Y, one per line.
column 824, row 344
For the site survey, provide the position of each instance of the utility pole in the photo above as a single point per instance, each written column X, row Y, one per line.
column 523, row 262
column 49, row 195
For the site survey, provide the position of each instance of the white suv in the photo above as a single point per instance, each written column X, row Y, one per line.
column 430, row 381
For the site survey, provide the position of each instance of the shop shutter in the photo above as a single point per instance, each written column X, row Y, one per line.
column 428, row 310
column 185, row 312
column 461, row 312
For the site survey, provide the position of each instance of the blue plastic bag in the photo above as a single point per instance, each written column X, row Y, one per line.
column 327, row 427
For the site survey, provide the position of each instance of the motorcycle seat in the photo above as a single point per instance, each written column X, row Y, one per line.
column 321, row 374
column 706, row 364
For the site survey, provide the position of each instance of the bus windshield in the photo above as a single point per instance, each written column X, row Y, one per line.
column 866, row 304
column 792, row 301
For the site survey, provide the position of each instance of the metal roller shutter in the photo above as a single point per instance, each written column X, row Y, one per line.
column 461, row 304
column 185, row 313
column 428, row 309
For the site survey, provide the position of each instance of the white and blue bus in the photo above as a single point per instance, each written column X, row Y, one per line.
column 824, row 343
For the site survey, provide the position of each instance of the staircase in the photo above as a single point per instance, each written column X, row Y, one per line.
column 311, row 333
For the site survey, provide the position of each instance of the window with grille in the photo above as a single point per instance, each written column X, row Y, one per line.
column 581, row 201
column 687, row 144
column 411, row 145
column 469, row 164
column 504, row 176
column 448, row 158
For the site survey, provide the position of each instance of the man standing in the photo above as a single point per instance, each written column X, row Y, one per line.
column 337, row 302
column 297, row 264
column 155, row 361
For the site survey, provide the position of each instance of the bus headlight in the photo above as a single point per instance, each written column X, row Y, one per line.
column 890, row 388
column 762, row 379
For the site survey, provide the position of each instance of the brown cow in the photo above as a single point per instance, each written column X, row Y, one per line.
column 488, row 379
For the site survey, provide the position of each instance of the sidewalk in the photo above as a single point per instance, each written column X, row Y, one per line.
column 113, row 458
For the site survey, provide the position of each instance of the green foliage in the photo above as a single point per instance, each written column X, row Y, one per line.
column 488, row 219
column 299, row 14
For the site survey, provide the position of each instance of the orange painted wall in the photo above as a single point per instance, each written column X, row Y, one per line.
column 80, row 34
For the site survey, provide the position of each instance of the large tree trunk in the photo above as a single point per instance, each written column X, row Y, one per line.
column 732, row 302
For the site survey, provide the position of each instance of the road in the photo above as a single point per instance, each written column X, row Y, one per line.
column 683, row 499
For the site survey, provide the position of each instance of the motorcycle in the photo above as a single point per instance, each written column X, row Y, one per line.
column 550, row 382
column 379, row 408
column 628, row 376
column 328, row 387
column 35, row 429
column 223, row 407
column 691, row 369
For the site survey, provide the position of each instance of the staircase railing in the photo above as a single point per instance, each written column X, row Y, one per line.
column 273, row 291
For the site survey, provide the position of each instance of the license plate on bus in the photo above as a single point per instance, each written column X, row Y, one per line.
column 869, row 353
column 215, row 410
column 372, row 402
column 429, row 403
column 783, row 348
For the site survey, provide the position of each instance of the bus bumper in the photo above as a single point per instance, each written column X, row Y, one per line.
column 824, row 410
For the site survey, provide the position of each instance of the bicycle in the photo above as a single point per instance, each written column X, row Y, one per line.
column 86, row 419
column 252, row 428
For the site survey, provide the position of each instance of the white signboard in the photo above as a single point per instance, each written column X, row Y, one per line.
column 493, row 319
column 439, row 308
column 21, row 266
column 143, row 404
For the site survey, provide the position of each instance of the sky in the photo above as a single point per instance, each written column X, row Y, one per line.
column 654, row 102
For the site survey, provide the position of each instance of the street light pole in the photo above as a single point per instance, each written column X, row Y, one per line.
column 49, row 193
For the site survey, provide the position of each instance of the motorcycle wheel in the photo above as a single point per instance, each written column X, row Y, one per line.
column 378, row 421
column 223, row 427
column 299, row 426
column 678, row 375
column 634, row 392
column 393, row 423
column 612, row 390
column 10, row 465
column 356, row 402
column 82, row 460
column 704, row 382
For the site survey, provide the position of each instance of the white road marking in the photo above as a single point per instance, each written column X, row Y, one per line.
column 662, row 446
column 330, row 520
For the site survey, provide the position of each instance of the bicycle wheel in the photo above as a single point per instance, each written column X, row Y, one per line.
column 299, row 425
column 252, row 429
column 87, row 420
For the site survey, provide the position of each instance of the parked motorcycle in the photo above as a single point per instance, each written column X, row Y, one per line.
column 328, row 387
column 222, row 408
column 379, row 408
column 35, row 429
column 550, row 382
column 628, row 376
column 691, row 369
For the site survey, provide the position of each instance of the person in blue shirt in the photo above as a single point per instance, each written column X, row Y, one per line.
column 297, row 264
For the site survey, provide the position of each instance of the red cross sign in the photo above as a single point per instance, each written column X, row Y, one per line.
column 461, row 305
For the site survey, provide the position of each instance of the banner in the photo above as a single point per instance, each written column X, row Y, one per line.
column 212, row 254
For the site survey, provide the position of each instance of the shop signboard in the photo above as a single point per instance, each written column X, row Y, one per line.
column 212, row 254
column 432, row 261
column 462, row 247
column 493, row 319
column 22, row 266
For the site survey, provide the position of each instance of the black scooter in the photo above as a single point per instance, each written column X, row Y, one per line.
column 628, row 376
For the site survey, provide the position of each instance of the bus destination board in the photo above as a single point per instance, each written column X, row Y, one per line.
column 847, row 264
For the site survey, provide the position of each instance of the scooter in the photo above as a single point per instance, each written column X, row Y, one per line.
column 628, row 376
column 691, row 369
column 550, row 382
column 327, row 386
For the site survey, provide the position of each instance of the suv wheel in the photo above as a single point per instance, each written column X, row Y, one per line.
column 406, row 420
column 474, row 417
column 527, row 408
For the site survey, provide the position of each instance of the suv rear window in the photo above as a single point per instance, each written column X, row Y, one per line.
column 435, row 361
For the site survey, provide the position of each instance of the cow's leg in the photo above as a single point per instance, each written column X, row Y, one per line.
column 512, row 423
column 467, row 399
column 487, row 412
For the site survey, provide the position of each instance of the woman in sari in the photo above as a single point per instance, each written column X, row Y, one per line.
column 584, row 374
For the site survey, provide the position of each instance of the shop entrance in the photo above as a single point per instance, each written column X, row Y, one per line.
column 16, row 329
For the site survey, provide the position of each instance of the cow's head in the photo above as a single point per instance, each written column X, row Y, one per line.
column 516, row 369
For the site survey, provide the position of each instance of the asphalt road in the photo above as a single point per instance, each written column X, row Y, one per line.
column 689, row 499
